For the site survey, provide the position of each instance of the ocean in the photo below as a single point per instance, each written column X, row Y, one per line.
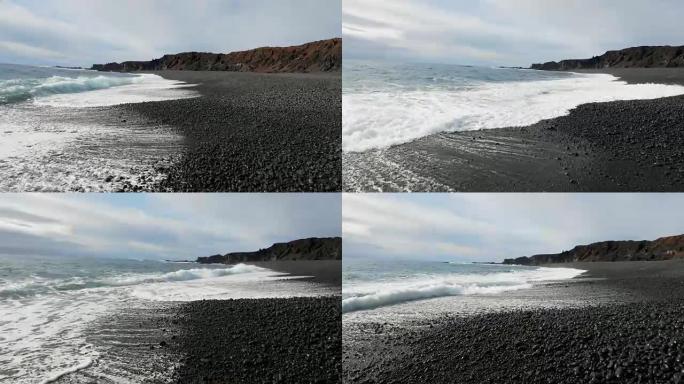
column 58, row 132
column 385, row 104
column 52, row 308
column 59, row 87
column 373, row 285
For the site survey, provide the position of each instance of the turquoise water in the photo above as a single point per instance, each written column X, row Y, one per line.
column 21, row 83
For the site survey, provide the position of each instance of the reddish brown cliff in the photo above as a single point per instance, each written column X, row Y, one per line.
column 318, row 56
column 664, row 248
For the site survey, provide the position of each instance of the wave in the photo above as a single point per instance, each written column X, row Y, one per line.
column 182, row 275
column 379, row 119
column 36, row 285
column 365, row 296
column 16, row 90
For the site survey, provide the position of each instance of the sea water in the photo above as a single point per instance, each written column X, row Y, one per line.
column 386, row 104
column 49, row 306
column 370, row 285
column 56, row 133
column 82, row 88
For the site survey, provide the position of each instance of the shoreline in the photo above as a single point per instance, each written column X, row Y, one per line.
column 325, row 272
column 252, row 132
column 239, row 132
column 248, row 340
column 614, row 146
column 627, row 325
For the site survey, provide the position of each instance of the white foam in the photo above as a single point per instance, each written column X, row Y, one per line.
column 255, row 284
column 115, row 90
column 85, row 364
column 184, row 275
column 50, row 149
column 381, row 119
column 369, row 295
column 44, row 338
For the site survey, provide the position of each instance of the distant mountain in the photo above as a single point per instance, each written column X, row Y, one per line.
column 315, row 248
column 635, row 57
column 664, row 248
column 318, row 56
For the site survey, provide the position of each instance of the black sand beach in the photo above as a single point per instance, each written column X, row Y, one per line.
column 252, row 132
column 599, row 147
column 630, row 329
column 327, row 272
column 295, row 340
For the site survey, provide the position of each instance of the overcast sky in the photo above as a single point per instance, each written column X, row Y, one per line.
column 160, row 226
column 491, row 227
column 505, row 32
column 84, row 32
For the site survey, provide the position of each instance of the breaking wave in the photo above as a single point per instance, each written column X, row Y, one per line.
column 365, row 296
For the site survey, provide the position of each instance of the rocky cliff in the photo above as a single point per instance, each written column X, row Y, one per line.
column 635, row 57
column 327, row 248
column 318, row 56
column 664, row 248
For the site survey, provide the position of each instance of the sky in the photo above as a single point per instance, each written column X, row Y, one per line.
column 505, row 32
column 491, row 227
column 160, row 226
column 85, row 32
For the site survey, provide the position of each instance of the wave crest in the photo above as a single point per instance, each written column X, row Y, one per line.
column 367, row 296
column 16, row 90
column 36, row 285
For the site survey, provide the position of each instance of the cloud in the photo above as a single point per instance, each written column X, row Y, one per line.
column 24, row 50
column 416, row 29
column 491, row 227
column 503, row 31
column 160, row 226
column 95, row 31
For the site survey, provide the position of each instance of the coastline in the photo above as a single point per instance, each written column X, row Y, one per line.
column 252, row 132
column 599, row 147
column 627, row 325
column 289, row 339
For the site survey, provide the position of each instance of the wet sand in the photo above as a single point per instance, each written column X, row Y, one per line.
column 626, row 327
column 599, row 147
column 253, row 132
column 327, row 272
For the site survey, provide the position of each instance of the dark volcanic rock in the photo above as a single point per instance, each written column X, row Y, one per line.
column 253, row 132
column 318, row 56
column 664, row 248
column 329, row 248
column 635, row 57
column 297, row 340
column 630, row 343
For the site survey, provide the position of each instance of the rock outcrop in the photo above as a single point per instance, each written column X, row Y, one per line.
column 315, row 248
column 664, row 248
column 318, row 56
column 635, row 57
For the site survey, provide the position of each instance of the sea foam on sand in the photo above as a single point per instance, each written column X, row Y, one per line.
column 383, row 118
